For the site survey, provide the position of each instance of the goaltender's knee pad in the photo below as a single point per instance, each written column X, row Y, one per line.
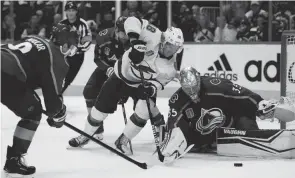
column 142, row 111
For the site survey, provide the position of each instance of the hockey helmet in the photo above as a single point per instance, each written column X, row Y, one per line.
column 119, row 29
column 172, row 41
column 66, row 37
column 120, row 23
column 71, row 5
column 190, row 81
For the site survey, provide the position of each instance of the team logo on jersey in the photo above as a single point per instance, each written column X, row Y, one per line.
column 215, row 81
column 291, row 73
column 210, row 120
column 107, row 51
column 174, row 98
column 189, row 113
column 103, row 32
column 222, row 69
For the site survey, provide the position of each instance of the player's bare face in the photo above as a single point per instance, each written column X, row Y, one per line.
column 71, row 14
column 123, row 38
column 169, row 49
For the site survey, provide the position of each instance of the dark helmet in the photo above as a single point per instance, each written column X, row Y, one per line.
column 120, row 23
column 71, row 5
column 62, row 33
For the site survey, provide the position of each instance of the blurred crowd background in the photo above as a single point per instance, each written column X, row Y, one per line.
column 200, row 21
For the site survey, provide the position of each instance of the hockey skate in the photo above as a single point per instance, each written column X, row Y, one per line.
column 81, row 140
column 122, row 145
column 15, row 165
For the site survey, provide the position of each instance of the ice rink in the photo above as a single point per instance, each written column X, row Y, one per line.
column 52, row 159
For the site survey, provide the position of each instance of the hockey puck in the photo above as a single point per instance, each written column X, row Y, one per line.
column 238, row 164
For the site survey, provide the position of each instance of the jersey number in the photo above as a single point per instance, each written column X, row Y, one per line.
column 151, row 28
column 24, row 47
column 172, row 112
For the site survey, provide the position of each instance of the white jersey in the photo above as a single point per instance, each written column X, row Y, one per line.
column 156, row 70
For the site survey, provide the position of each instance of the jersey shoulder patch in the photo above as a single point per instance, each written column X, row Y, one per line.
column 179, row 98
column 104, row 36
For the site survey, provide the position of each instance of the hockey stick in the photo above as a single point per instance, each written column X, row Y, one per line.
column 139, row 164
column 161, row 157
column 125, row 120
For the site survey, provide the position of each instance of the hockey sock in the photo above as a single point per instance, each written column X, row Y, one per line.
column 23, row 135
column 89, row 104
column 133, row 127
column 91, row 125
column 94, row 121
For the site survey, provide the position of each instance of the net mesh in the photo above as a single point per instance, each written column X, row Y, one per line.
column 290, row 74
column 290, row 88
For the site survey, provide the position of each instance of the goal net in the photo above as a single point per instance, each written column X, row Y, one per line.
column 288, row 71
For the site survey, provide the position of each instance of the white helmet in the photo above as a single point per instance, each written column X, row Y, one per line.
column 174, row 36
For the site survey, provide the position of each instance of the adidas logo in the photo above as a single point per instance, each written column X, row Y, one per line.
column 222, row 69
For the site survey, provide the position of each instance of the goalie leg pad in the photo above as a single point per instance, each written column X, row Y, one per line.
column 256, row 143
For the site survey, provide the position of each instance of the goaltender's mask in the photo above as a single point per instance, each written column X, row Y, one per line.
column 190, row 81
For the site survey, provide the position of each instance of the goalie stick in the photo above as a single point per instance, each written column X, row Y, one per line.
column 125, row 120
column 139, row 164
column 160, row 155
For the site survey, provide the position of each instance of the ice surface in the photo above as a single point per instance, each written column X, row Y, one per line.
column 49, row 154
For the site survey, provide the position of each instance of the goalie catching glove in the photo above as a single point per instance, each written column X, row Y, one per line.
column 283, row 110
column 58, row 119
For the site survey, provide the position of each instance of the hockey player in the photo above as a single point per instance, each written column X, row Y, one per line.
column 153, row 52
column 110, row 46
column 203, row 104
column 34, row 63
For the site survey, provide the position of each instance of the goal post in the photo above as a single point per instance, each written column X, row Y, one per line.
column 287, row 67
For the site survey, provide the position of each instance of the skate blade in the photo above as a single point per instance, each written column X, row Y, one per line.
column 14, row 175
column 127, row 150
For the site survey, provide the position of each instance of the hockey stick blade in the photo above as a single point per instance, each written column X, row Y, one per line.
column 160, row 155
column 139, row 164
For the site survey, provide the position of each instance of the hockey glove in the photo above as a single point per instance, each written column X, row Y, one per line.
column 58, row 119
column 110, row 71
column 146, row 90
column 123, row 100
column 266, row 109
column 137, row 52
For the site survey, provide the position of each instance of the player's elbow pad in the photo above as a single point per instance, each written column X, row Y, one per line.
column 137, row 52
